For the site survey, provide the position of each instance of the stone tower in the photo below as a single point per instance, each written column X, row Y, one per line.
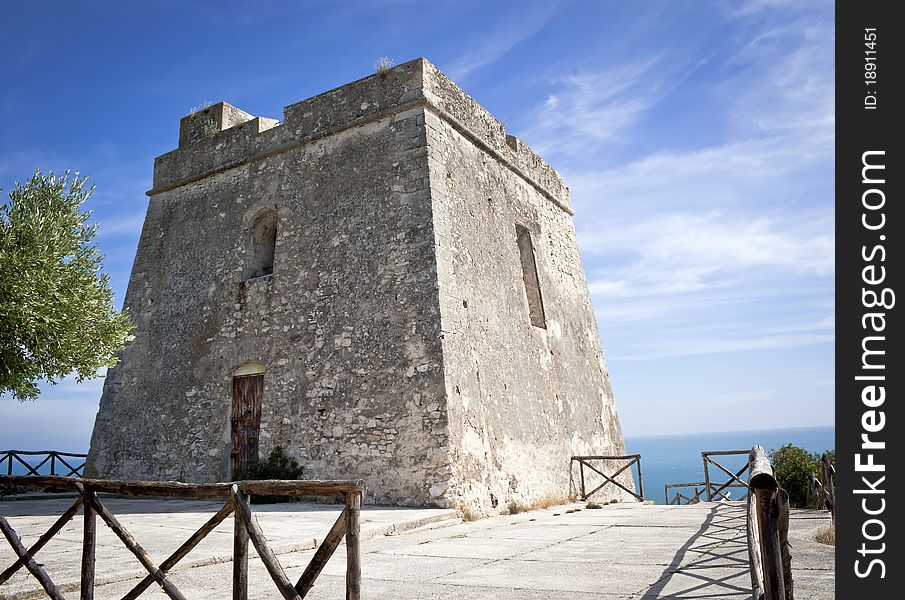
column 385, row 284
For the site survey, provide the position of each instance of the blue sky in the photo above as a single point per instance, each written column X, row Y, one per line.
column 697, row 139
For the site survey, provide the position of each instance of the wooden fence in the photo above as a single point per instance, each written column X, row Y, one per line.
column 829, row 486
column 60, row 463
column 679, row 497
column 585, row 462
column 246, row 527
column 719, row 489
column 768, row 531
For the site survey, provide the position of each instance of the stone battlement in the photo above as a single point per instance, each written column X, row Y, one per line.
column 222, row 136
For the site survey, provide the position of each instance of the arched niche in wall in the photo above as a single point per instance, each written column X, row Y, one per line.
column 262, row 244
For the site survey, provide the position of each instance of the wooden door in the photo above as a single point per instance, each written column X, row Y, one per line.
column 248, row 391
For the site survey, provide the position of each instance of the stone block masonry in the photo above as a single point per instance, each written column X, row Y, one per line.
column 366, row 257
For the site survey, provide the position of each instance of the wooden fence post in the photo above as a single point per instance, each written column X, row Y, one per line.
column 267, row 556
column 240, row 559
column 353, row 546
column 771, row 550
column 129, row 542
column 768, row 529
column 707, row 480
column 754, row 552
column 640, row 478
column 89, row 539
column 782, row 510
column 829, row 485
column 581, row 470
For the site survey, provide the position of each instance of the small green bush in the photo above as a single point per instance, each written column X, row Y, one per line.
column 793, row 467
column 276, row 466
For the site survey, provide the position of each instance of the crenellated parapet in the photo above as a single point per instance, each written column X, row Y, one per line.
column 222, row 136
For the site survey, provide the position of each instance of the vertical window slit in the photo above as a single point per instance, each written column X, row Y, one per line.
column 529, row 277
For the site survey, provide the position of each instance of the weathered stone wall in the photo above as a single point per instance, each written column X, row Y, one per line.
column 347, row 326
column 521, row 399
column 394, row 328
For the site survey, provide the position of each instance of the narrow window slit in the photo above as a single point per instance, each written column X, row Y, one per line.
column 529, row 277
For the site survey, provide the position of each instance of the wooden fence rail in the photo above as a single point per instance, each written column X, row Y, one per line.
column 829, row 486
column 585, row 462
column 246, row 528
column 65, row 464
column 768, row 531
column 719, row 489
column 679, row 497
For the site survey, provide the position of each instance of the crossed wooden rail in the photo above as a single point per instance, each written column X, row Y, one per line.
column 246, row 527
column 585, row 461
column 679, row 497
column 716, row 489
column 12, row 457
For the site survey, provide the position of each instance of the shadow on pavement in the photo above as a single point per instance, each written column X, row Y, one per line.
column 713, row 563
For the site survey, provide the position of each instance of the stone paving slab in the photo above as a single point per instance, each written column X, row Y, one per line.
column 470, row 546
column 625, row 551
column 600, row 549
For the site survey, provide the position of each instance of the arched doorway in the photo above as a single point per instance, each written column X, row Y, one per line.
column 248, row 394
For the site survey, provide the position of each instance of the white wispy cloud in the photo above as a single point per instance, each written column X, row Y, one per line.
column 686, row 247
column 793, row 64
column 499, row 41
column 121, row 225
column 753, row 7
column 739, row 171
column 716, row 242
column 720, row 345
column 592, row 108
column 712, row 271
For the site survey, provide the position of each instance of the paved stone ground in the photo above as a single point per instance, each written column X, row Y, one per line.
column 624, row 551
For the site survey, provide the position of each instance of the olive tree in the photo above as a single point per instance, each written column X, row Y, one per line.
column 56, row 306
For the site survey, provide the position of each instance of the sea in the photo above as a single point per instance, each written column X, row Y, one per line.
column 677, row 458
column 671, row 458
